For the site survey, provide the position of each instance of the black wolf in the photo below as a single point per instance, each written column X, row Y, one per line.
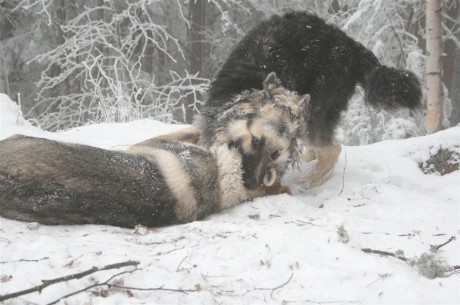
column 309, row 56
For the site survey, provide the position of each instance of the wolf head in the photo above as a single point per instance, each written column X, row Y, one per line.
column 263, row 126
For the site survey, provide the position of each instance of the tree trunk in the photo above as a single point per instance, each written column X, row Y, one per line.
column 434, row 67
column 451, row 65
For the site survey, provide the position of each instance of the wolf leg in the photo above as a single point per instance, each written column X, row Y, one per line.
column 309, row 154
column 326, row 157
column 190, row 134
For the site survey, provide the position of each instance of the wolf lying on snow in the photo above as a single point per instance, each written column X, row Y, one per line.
column 309, row 56
column 154, row 183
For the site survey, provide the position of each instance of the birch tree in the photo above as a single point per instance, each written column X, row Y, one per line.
column 434, row 82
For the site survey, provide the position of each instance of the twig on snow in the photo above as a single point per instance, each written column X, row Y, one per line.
column 381, row 277
column 427, row 264
column 385, row 253
column 271, row 289
column 161, row 288
column 92, row 286
column 46, row 283
column 25, row 260
column 282, row 285
column 185, row 257
column 436, row 248
column 107, row 283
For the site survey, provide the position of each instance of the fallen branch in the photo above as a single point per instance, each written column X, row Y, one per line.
column 272, row 289
column 436, row 248
column 91, row 286
column 154, row 289
column 107, row 283
column 427, row 264
column 25, row 260
column 384, row 253
column 282, row 285
column 46, row 283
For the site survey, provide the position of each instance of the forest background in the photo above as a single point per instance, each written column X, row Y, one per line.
column 69, row 63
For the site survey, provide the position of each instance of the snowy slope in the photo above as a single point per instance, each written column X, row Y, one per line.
column 274, row 250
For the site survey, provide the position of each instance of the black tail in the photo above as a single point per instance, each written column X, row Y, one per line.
column 389, row 88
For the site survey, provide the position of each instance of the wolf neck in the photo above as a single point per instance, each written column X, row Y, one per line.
column 230, row 176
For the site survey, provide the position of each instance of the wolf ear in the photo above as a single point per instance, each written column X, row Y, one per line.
column 271, row 81
column 303, row 100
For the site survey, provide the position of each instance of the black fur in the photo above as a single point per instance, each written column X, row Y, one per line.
column 309, row 56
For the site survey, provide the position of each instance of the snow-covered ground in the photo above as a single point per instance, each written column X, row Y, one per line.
column 274, row 250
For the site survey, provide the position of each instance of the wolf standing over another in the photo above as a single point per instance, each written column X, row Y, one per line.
column 309, row 56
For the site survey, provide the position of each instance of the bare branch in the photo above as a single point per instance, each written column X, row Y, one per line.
column 92, row 286
column 154, row 289
column 384, row 253
column 436, row 248
column 46, row 283
column 25, row 260
column 272, row 289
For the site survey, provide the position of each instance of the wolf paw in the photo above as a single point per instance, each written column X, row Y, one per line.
column 314, row 179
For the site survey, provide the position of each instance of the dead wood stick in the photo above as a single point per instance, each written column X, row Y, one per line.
column 107, row 283
column 46, row 283
column 436, row 248
column 25, row 260
column 153, row 289
column 92, row 286
column 282, row 285
column 385, row 253
column 272, row 289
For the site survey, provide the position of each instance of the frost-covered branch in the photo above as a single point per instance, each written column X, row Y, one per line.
column 41, row 7
column 104, row 70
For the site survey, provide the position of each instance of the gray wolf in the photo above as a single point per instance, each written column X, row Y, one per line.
column 155, row 182
column 261, row 124
column 309, row 57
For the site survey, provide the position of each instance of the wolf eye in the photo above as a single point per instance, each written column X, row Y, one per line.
column 256, row 143
column 274, row 155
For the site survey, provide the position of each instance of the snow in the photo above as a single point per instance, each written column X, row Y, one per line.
column 273, row 250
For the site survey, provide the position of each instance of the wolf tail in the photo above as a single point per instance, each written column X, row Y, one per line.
column 389, row 88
